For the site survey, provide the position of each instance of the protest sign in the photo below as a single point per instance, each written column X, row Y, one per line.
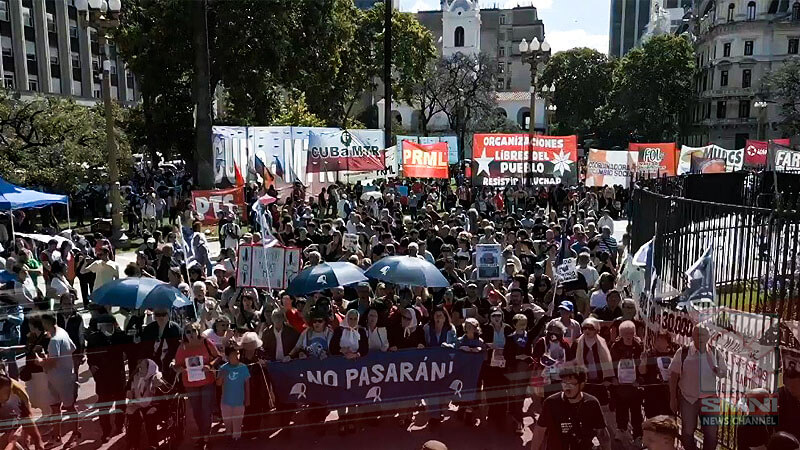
column 266, row 267
column 503, row 159
column 701, row 164
column 568, row 270
column 489, row 258
column 655, row 160
column 342, row 150
column 755, row 152
column 378, row 377
column 425, row 160
column 208, row 204
column 392, row 170
column 350, row 242
column 733, row 159
column 608, row 168
column 452, row 145
column 784, row 159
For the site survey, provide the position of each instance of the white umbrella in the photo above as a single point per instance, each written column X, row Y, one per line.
column 372, row 194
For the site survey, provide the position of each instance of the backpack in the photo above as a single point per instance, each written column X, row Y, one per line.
column 685, row 354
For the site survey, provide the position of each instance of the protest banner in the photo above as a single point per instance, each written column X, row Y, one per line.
column 755, row 152
column 266, row 267
column 733, row 159
column 783, row 158
column 701, row 164
column 503, row 159
column 341, row 150
column 452, row 145
column 568, row 270
column 655, row 159
column 608, row 168
column 489, row 258
column 392, row 170
column 350, row 242
column 208, row 204
column 425, row 160
column 378, row 377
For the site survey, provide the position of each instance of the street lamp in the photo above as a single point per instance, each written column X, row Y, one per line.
column 534, row 54
column 103, row 16
column 761, row 105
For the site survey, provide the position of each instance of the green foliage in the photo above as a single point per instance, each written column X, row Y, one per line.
column 783, row 87
column 55, row 143
column 652, row 88
column 583, row 81
column 261, row 49
column 294, row 112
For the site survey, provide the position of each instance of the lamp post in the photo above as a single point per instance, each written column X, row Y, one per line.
column 549, row 109
column 103, row 16
column 761, row 105
column 534, row 54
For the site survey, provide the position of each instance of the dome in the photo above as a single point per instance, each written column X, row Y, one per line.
column 464, row 5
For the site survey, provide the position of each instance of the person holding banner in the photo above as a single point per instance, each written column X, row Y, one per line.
column 518, row 355
column 439, row 332
column 351, row 341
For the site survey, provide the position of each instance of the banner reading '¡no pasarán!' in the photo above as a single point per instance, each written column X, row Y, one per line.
column 502, row 159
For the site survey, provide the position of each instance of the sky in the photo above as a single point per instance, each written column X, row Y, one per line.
column 567, row 23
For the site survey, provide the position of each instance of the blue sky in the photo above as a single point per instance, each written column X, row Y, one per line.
column 567, row 23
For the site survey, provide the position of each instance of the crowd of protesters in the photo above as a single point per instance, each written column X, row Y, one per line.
column 574, row 348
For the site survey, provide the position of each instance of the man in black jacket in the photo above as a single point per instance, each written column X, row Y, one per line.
column 279, row 339
column 160, row 341
column 104, row 352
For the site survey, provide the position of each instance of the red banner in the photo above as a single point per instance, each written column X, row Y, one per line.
column 503, row 159
column 755, row 152
column 209, row 204
column 425, row 160
column 655, row 160
column 330, row 151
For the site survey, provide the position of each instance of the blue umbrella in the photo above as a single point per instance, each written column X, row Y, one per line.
column 136, row 293
column 325, row 276
column 407, row 271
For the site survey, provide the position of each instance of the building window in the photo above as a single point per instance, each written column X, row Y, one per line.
column 95, row 63
column 751, row 11
column 4, row 10
column 27, row 19
column 96, row 93
column 113, row 69
column 796, row 11
column 54, row 56
column 458, row 37
column 726, row 49
column 501, row 52
column 747, row 78
column 722, row 108
column 502, row 19
column 76, row 61
column 793, row 45
column 501, row 83
column 51, row 23
column 731, row 11
column 748, row 48
column 723, row 78
column 8, row 80
column 31, row 58
column 744, row 109
column 33, row 84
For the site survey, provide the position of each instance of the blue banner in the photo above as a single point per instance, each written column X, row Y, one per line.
column 379, row 377
column 452, row 145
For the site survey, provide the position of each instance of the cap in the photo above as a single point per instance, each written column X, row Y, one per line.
column 219, row 267
column 566, row 305
column 151, row 240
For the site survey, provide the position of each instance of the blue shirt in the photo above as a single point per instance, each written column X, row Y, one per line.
column 233, row 384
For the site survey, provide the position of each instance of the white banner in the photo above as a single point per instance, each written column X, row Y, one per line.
column 567, row 271
column 391, row 171
column 270, row 267
column 734, row 159
column 609, row 168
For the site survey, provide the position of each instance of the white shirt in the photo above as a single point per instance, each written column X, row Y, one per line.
column 598, row 299
column 278, row 344
column 591, row 275
column 59, row 286
column 697, row 376
column 105, row 271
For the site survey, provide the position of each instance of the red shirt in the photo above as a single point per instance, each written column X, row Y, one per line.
column 499, row 202
column 194, row 356
column 296, row 320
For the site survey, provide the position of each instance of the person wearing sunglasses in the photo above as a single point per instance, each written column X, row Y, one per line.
column 195, row 361
column 159, row 341
column 571, row 419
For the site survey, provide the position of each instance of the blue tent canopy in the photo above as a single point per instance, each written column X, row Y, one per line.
column 15, row 197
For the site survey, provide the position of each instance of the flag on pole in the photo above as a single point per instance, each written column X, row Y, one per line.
column 278, row 167
column 264, row 171
column 700, row 277
column 644, row 254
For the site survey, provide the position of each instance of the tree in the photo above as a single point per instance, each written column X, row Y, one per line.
column 783, row 87
column 583, row 82
column 294, row 112
column 652, row 88
column 55, row 143
column 427, row 95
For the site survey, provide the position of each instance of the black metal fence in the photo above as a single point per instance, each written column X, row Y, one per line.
column 753, row 229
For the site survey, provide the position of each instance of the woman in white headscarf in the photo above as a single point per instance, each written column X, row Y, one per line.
column 349, row 340
column 413, row 336
column 145, row 386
